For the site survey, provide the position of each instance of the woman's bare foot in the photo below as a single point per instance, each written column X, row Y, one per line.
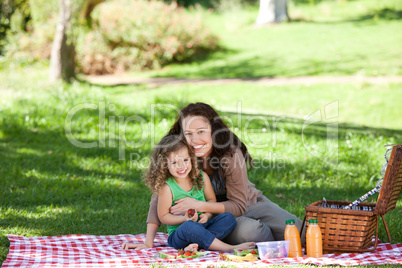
column 219, row 245
column 191, row 247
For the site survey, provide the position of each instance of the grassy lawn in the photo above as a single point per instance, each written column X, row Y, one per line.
column 52, row 187
column 332, row 38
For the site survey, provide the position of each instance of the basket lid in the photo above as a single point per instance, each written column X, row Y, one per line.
column 392, row 184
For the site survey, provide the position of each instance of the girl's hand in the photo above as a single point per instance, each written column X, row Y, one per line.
column 193, row 218
column 135, row 246
column 182, row 205
column 203, row 218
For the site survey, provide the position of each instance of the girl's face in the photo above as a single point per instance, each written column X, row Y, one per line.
column 198, row 135
column 179, row 163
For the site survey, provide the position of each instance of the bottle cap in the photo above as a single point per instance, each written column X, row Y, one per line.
column 290, row 221
column 313, row 221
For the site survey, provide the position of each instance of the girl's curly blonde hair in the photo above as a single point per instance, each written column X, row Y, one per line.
column 157, row 173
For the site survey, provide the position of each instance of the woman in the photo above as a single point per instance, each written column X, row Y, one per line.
column 224, row 158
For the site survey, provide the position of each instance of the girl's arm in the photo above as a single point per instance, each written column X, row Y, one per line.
column 164, row 203
column 208, row 193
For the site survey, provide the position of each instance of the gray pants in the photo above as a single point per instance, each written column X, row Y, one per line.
column 264, row 221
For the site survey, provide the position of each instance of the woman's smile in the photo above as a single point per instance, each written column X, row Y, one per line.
column 197, row 131
column 198, row 146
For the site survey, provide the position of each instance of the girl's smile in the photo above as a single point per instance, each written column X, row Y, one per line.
column 179, row 163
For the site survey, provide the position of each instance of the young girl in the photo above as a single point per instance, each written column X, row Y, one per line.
column 173, row 174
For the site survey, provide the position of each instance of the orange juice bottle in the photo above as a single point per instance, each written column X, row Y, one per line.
column 292, row 234
column 314, row 239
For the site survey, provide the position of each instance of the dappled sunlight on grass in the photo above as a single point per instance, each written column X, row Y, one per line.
column 51, row 185
column 332, row 38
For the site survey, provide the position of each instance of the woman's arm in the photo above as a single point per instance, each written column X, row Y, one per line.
column 237, row 183
column 164, row 203
column 153, row 210
column 153, row 224
column 152, row 228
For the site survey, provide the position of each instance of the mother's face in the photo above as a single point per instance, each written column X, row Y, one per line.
column 198, row 133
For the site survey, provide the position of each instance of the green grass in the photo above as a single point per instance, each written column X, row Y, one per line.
column 356, row 101
column 332, row 38
column 51, row 187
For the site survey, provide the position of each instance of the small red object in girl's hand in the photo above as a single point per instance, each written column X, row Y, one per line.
column 191, row 212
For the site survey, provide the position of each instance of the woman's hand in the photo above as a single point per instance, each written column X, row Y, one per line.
column 184, row 204
column 135, row 246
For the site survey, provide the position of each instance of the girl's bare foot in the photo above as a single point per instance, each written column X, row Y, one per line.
column 247, row 245
column 191, row 247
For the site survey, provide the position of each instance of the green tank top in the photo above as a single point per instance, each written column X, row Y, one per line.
column 179, row 193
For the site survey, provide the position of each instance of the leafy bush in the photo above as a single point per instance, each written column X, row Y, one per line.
column 33, row 45
column 21, row 9
column 208, row 3
column 141, row 35
column 30, row 40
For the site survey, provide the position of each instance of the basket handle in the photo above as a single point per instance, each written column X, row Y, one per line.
column 386, row 229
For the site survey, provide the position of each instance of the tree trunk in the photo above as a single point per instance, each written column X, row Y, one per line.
column 62, row 58
column 272, row 11
column 87, row 10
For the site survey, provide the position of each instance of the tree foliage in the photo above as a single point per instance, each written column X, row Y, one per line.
column 133, row 35
column 7, row 9
column 125, row 35
column 206, row 3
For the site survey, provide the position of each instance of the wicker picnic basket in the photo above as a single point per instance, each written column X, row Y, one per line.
column 349, row 230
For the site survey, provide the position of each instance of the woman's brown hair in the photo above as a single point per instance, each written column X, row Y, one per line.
column 221, row 134
column 158, row 172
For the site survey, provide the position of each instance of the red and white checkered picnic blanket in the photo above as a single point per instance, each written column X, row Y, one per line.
column 105, row 251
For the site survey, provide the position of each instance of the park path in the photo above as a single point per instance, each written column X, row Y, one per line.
column 114, row 80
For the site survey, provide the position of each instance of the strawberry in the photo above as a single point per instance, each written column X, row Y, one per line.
column 181, row 252
column 191, row 212
column 194, row 253
column 253, row 252
column 188, row 253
